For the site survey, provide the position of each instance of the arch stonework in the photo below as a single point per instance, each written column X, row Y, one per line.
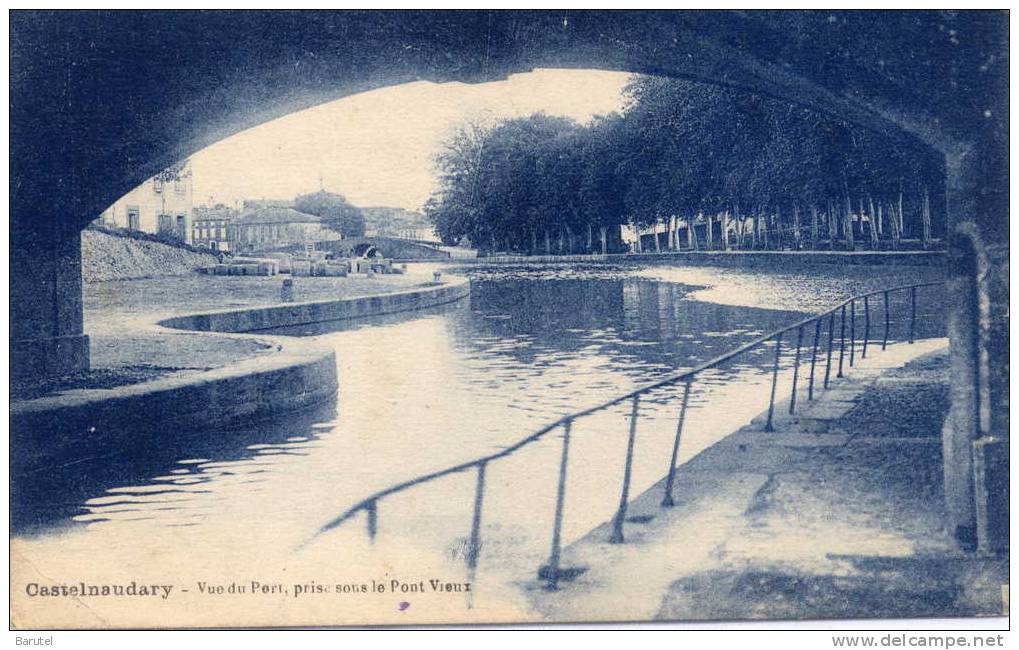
column 100, row 101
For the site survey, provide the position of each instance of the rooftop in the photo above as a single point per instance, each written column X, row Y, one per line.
column 276, row 215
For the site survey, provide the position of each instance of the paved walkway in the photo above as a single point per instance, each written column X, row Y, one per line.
column 835, row 514
column 128, row 348
column 120, row 316
column 111, row 307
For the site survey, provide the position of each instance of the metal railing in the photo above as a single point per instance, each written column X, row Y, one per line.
column 551, row 572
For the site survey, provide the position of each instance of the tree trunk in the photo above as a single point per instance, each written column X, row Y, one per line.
column 776, row 230
column 741, row 224
column 590, row 237
column 850, row 235
column 813, row 227
column 796, row 227
column 871, row 223
column 925, row 214
column 548, row 243
column 874, row 221
column 832, row 226
column 850, row 229
column 897, row 223
column 893, row 222
column 902, row 222
column 725, row 230
column 604, row 240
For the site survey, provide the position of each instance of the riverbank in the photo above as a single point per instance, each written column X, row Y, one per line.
column 744, row 259
column 836, row 514
column 146, row 373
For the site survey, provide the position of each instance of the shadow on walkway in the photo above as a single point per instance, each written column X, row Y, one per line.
column 836, row 514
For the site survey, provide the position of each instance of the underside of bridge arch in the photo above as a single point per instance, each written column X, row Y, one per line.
column 100, row 101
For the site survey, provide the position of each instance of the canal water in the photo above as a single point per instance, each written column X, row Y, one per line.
column 424, row 391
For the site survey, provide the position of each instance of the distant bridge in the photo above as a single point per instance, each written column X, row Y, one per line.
column 394, row 248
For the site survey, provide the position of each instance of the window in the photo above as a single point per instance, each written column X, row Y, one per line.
column 165, row 223
column 157, row 185
column 133, row 218
column 178, row 186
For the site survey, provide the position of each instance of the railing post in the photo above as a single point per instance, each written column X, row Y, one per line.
column 888, row 323
column 371, row 510
column 667, row 501
column 796, row 370
column 813, row 358
column 912, row 316
column 474, row 545
column 852, row 332
column 774, row 382
column 842, row 340
column 866, row 326
column 617, row 524
column 551, row 570
column 831, row 340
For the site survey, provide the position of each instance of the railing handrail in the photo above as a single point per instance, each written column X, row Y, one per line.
column 686, row 375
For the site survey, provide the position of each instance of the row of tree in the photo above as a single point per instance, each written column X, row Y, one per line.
column 689, row 166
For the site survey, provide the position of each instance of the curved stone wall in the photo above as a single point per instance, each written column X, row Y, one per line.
column 303, row 313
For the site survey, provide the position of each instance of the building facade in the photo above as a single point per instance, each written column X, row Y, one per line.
column 160, row 205
column 268, row 228
column 210, row 226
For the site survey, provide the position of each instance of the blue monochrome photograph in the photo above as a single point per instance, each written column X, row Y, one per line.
column 337, row 318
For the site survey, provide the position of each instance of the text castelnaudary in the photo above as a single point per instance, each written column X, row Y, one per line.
column 80, row 589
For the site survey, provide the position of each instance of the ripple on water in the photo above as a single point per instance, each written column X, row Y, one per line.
column 475, row 378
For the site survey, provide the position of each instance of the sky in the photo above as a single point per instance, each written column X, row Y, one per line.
column 377, row 148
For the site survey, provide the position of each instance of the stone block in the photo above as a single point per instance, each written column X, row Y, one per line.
column 336, row 270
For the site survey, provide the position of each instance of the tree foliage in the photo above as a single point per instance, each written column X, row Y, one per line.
column 740, row 169
column 334, row 209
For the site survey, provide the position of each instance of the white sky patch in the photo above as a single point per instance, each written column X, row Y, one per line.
column 377, row 148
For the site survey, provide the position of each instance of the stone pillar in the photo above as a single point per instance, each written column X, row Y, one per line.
column 977, row 321
column 46, row 334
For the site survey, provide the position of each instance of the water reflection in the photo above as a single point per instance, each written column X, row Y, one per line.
column 152, row 474
column 419, row 392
